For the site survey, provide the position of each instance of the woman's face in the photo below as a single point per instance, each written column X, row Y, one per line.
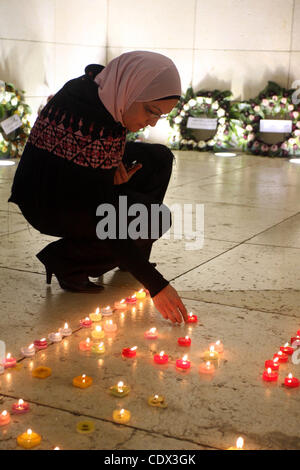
column 144, row 114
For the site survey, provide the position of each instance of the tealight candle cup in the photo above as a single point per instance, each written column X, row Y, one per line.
column 55, row 337
column 98, row 333
column 158, row 401
column 122, row 305
column 4, row 418
column 106, row 312
column 66, row 330
column 20, row 407
column 121, row 416
column 82, row 381
column 28, row 351
column 97, row 316
column 98, row 348
column 29, row 439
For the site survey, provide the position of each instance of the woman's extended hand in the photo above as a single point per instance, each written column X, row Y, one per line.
column 122, row 175
column 169, row 304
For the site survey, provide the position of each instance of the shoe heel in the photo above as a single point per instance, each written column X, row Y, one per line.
column 48, row 276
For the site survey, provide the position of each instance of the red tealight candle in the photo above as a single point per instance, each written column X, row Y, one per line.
column 186, row 341
column 161, row 358
column 20, row 408
column 270, row 376
column 192, row 318
column 41, row 343
column 131, row 300
column 282, row 357
column 86, row 322
column 129, row 352
column 274, row 365
column 9, row 361
column 291, row 381
column 183, row 363
column 287, row 349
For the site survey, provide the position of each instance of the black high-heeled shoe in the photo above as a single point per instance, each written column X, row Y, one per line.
column 70, row 285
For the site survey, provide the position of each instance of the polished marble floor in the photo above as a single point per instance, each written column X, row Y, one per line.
column 243, row 283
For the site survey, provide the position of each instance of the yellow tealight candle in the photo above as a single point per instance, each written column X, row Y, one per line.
column 98, row 348
column 141, row 294
column 121, row 416
column 158, row 401
column 211, row 355
column 29, row 439
column 98, row 333
column 96, row 316
column 119, row 390
column 82, row 381
column 239, row 444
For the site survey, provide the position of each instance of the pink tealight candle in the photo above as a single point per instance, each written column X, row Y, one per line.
column 161, row 358
column 131, row 300
column 85, row 345
column 9, row 361
column 282, row 357
column 20, row 407
column 192, row 318
column 4, row 418
column 186, row 341
column 86, row 322
column 207, row 368
column 183, row 363
column 287, row 349
column 151, row 334
column 274, row 364
column 291, row 382
column 41, row 343
column 28, row 351
column 129, row 352
column 270, row 376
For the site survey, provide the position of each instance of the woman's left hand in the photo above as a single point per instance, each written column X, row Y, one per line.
column 122, row 175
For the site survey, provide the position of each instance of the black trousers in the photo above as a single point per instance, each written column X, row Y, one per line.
column 79, row 253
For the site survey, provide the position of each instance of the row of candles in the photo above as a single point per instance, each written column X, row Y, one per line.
column 270, row 373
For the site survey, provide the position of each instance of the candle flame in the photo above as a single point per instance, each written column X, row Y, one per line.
column 286, row 345
column 162, row 353
column 4, row 413
column 141, row 290
column 108, row 307
column 56, row 448
column 88, row 340
column 8, row 356
column 276, row 359
column 184, row 357
column 212, row 349
column 31, row 346
column 133, row 309
column 133, row 296
column 279, row 353
column 29, row 431
column 240, row 443
column 269, row 370
column 120, row 384
column 156, row 397
column 122, row 301
column 43, row 339
column 208, row 364
column 218, row 342
column 98, row 328
column 134, row 348
column 290, row 376
column 97, row 311
column 20, row 402
column 122, row 315
column 122, row 411
column 66, row 326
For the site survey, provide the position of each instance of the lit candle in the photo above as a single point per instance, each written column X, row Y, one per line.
column 98, row 348
column 4, row 418
column 29, row 439
column 66, row 330
column 157, row 401
column 183, row 363
column 121, row 416
column 119, row 390
column 40, row 343
column 131, row 300
column 55, row 337
column 151, row 334
column 120, row 305
column 161, row 358
column 129, row 352
column 82, row 381
column 270, row 376
column 97, row 316
column 41, row 372
column 287, row 349
column 274, row 364
column 28, row 351
column 110, row 326
column 192, row 318
column 239, row 444
column 282, row 357
column 141, row 294
column 9, row 361
column 85, row 345
column 98, row 333
column 218, row 346
column 107, row 311
column 291, row 382
column 207, row 368
column 20, row 407
column 211, row 355
column 86, row 322
column 186, row 341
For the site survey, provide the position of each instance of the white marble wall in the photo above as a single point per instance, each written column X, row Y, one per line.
column 226, row 44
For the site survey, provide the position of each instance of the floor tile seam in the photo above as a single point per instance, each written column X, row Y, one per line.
column 244, row 242
column 136, row 428
column 243, row 307
column 7, row 234
column 273, row 246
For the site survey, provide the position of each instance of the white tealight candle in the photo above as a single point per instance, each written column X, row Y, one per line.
column 55, row 337
column 107, row 311
column 65, row 331
column 28, row 351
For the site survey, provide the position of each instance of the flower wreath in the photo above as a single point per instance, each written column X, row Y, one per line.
column 273, row 101
column 211, row 104
column 12, row 102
